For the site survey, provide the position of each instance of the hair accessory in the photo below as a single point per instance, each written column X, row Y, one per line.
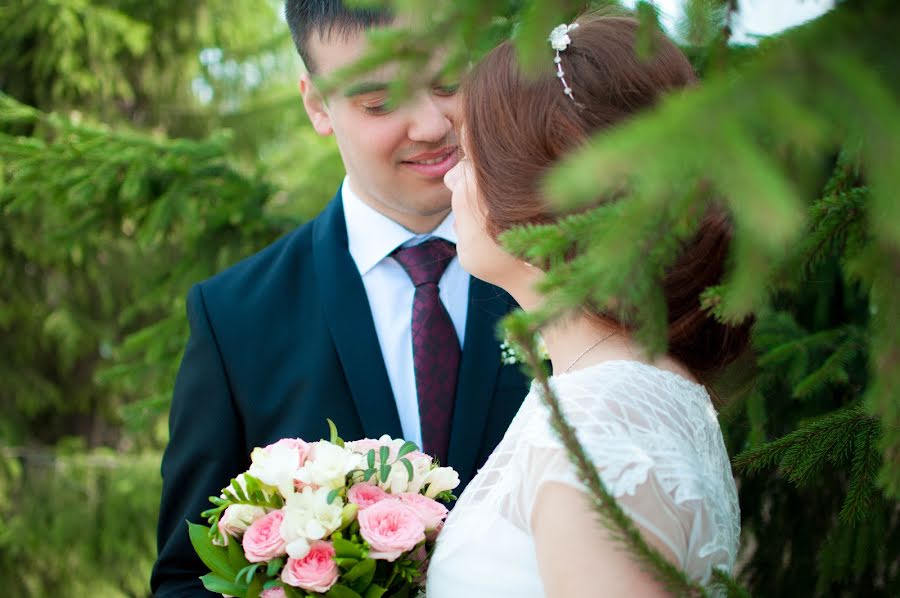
column 559, row 40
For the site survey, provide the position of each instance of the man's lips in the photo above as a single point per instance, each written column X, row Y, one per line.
column 434, row 164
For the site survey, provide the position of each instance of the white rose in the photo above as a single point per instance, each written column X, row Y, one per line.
column 329, row 466
column 237, row 518
column 275, row 466
column 308, row 516
column 439, row 480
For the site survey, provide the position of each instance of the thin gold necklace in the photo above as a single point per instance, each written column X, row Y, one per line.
column 585, row 352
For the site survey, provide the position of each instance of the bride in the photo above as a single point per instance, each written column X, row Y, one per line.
column 524, row 526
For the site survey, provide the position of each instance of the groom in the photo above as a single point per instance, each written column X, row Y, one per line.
column 362, row 315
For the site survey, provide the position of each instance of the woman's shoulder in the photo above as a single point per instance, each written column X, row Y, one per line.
column 626, row 386
column 630, row 408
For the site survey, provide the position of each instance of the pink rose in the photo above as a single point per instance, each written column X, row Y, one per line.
column 262, row 540
column 302, row 448
column 391, row 528
column 431, row 512
column 276, row 592
column 366, row 495
column 316, row 572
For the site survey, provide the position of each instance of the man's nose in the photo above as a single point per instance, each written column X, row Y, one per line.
column 429, row 119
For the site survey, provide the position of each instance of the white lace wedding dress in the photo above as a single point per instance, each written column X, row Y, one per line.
column 656, row 442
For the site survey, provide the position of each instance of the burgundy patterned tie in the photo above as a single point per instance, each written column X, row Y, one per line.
column 436, row 349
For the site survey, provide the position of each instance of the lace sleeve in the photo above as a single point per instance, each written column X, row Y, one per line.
column 655, row 441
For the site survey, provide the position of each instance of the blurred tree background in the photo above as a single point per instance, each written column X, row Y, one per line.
column 147, row 145
column 143, row 146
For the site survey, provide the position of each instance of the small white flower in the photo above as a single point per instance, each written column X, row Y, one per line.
column 329, row 466
column 275, row 466
column 510, row 354
column 440, row 479
column 308, row 516
column 559, row 37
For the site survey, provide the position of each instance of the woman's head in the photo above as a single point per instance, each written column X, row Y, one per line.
column 517, row 128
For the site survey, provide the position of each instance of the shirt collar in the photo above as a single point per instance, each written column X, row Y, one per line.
column 372, row 236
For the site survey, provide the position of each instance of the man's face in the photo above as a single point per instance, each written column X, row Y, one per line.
column 395, row 156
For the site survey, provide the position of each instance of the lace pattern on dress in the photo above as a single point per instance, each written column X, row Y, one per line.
column 656, row 441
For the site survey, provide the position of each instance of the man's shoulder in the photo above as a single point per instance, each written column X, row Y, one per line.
column 293, row 248
column 262, row 282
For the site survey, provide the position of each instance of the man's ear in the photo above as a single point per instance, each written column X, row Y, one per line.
column 315, row 106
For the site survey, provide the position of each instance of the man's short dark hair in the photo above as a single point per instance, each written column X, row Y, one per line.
column 328, row 18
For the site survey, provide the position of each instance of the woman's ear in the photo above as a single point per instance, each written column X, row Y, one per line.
column 315, row 106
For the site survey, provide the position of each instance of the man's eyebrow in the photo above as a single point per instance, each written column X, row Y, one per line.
column 365, row 87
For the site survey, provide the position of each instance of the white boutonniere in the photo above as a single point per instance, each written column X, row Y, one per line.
column 511, row 353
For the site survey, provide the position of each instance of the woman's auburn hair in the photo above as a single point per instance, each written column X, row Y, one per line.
column 518, row 128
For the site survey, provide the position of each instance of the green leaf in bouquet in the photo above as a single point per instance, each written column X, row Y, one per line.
column 247, row 573
column 361, row 575
column 370, row 459
column 369, row 472
column 333, row 495
column 219, row 585
column 385, row 472
column 407, row 448
column 346, row 548
column 333, row 434
column 256, row 587
column 402, row 592
column 348, row 515
column 236, row 557
column 253, row 485
column 219, row 501
column 214, row 557
column 346, row 562
column 383, row 455
column 274, row 567
column 213, row 512
column 238, row 490
column 341, row 591
column 409, row 468
column 292, row 592
column 375, row 591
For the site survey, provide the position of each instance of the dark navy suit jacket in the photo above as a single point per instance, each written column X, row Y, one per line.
column 280, row 342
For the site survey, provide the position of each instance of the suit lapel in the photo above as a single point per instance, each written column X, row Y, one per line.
column 349, row 318
column 478, row 373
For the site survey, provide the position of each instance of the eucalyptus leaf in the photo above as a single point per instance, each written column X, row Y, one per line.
column 274, row 566
column 407, row 448
column 409, row 468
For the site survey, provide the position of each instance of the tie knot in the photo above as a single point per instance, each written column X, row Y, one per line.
column 425, row 263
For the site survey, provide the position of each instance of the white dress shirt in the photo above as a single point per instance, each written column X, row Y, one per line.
column 371, row 237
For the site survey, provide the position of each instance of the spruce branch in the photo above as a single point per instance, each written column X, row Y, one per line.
column 804, row 451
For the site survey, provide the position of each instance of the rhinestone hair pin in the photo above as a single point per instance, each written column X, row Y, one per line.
column 559, row 40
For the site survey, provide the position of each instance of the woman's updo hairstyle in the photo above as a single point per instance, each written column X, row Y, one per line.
column 519, row 127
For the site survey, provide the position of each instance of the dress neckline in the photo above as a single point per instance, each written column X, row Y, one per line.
column 675, row 377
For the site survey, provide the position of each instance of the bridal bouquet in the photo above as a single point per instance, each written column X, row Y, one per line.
column 339, row 519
